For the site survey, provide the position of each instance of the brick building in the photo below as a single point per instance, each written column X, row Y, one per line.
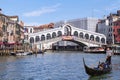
column 116, row 31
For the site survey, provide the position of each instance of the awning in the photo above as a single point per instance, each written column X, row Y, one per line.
column 1, row 43
column 11, row 43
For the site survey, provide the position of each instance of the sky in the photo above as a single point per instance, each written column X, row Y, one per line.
column 38, row 12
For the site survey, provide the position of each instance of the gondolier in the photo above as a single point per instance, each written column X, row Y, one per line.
column 109, row 54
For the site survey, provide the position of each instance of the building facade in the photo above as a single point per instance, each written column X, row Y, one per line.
column 27, row 31
column 10, row 30
column 105, row 26
column 82, row 23
column 116, row 31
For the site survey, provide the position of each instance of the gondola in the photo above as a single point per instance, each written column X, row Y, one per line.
column 41, row 51
column 96, row 72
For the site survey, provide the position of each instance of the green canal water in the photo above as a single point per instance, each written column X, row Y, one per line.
column 63, row 65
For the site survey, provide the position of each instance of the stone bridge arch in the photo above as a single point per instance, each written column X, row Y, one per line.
column 66, row 30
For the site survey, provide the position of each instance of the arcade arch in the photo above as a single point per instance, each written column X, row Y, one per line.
column 92, row 38
column 53, row 35
column 76, row 33
column 48, row 36
column 42, row 37
column 59, row 33
column 31, row 40
column 86, row 36
column 37, row 39
column 81, row 35
column 103, row 40
column 97, row 39
column 67, row 30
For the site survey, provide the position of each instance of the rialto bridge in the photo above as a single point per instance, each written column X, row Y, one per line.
column 45, row 39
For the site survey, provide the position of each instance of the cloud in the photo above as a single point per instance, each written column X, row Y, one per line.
column 114, row 6
column 43, row 10
column 32, row 24
column 108, row 8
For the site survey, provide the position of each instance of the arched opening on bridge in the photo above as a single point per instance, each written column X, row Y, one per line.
column 86, row 36
column 59, row 33
column 81, row 35
column 30, row 30
column 53, row 35
column 103, row 40
column 68, row 45
column 42, row 37
column 76, row 33
column 37, row 39
column 92, row 38
column 31, row 40
column 67, row 30
column 48, row 36
column 97, row 39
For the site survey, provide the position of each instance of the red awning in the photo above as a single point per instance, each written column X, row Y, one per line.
column 14, row 43
column 11, row 43
column 1, row 43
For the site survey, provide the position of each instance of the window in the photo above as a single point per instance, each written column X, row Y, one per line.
column 118, row 30
column 11, row 33
column 4, row 28
column 18, row 32
column 113, row 30
column 30, row 30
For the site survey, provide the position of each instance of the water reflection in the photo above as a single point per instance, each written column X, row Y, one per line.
column 103, row 77
column 54, row 66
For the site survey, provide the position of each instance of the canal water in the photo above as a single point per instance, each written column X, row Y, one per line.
column 63, row 65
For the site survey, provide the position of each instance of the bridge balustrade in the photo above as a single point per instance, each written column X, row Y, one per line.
column 88, row 40
column 60, row 38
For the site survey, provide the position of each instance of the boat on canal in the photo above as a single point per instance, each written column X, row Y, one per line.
column 116, row 50
column 21, row 53
column 96, row 72
column 94, row 50
column 39, row 52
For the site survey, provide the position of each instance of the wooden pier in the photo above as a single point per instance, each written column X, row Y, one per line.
column 6, row 50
